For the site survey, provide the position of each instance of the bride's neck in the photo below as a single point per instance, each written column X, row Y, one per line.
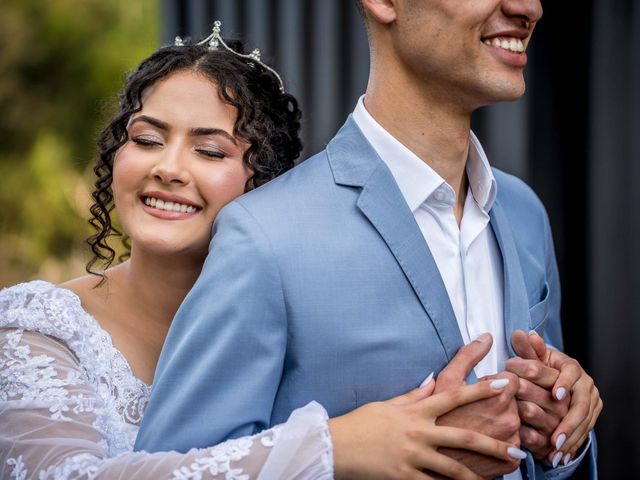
column 154, row 286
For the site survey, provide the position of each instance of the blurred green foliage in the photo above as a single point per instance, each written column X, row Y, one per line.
column 62, row 63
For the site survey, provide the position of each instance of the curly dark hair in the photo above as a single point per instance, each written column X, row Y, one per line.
column 268, row 120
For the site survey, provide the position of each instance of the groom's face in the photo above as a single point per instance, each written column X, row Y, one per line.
column 475, row 50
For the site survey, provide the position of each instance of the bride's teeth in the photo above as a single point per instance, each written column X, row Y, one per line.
column 169, row 206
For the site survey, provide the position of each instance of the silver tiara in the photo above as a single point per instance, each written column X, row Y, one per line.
column 215, row 40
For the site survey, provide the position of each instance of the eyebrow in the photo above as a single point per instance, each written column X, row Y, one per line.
column 196, row 132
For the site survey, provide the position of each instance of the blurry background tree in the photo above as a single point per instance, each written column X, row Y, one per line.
column 61, row 66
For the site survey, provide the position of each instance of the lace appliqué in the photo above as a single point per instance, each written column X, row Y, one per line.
column 219, row 458
column 218, row 461
column 19, row 471
column 80, row 466
column 33, row 378
column 42, row 307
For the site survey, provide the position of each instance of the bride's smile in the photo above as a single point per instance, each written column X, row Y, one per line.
column 180, row 166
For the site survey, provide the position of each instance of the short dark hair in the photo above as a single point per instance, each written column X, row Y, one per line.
column 268, row 120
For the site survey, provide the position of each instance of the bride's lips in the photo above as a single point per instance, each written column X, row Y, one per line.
column 168, row 206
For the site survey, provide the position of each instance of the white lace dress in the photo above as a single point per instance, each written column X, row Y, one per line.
column 70, row 407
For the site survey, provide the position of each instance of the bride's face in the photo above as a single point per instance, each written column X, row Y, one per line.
column 179, row 167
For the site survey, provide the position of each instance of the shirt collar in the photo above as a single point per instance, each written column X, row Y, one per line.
column 417, row 180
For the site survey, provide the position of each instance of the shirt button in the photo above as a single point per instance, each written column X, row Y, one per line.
column 439, row 196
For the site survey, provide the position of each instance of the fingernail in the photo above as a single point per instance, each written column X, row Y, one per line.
column 567, row 457
column 560, row 441
column 427, row 380
column 516, row 453
column 532, row 332
column 483, row 338
column 500, row 383
column 556, row 459
column 560, row 393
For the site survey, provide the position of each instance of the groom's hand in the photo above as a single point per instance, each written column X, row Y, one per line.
column 497, row 417
column 570, row 387
column 540, row 412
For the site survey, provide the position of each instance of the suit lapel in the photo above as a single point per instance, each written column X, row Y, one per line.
column 355, row 163
column 516, row 306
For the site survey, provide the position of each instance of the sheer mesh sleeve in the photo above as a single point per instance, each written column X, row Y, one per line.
column 55, row 425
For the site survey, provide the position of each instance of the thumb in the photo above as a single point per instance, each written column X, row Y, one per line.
column 537, row 342
column 522, row 346
column 458, row 369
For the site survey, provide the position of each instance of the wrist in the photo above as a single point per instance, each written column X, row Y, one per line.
column 342, row 466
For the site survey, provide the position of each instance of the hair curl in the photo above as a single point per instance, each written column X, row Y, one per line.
column 268, row 120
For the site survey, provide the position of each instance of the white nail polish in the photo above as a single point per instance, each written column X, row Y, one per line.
column 499, row 384
column 427, row 380
column 485, row 337
column 516, row 453
column 556, row 459
column 560, row 393
column 560, row 441
column 567, row 457
column 532, row 332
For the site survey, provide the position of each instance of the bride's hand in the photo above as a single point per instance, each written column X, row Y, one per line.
column 399, row 438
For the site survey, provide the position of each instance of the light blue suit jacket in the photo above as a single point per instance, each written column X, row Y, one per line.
column 320, row 286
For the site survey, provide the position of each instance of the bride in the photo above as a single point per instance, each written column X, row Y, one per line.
column 198, row 125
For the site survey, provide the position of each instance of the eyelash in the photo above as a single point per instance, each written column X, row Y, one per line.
column 211, row 153
column 145, row 142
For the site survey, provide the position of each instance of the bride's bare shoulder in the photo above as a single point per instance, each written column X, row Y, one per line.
column 93, row 290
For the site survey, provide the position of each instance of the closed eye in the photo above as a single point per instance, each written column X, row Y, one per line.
column 211, row 153
column 145, row 142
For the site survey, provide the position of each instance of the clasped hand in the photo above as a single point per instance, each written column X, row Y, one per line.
column 558, row 402
column 544, row 401
column 554, row 406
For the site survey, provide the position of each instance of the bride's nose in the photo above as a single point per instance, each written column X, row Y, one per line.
column 170, row 167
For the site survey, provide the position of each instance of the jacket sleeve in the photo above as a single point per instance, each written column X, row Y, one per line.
column 221, row 365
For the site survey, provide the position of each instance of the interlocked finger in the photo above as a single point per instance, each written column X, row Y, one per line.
column 533, row 370
column 443, row 402
column 454, row 437
column 530, row 392
column 450, row 468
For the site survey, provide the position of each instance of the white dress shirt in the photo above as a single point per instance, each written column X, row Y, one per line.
column 467, row 256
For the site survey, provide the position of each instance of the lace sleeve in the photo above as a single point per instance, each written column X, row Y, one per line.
column 54, row 425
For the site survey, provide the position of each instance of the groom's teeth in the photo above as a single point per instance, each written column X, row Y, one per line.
column 168, row 206
column 510, row 44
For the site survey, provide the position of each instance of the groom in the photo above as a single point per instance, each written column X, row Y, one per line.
column 352, row 276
